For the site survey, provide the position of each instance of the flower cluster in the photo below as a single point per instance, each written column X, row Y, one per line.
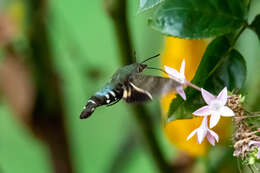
column 215, row 107
column 246, row 142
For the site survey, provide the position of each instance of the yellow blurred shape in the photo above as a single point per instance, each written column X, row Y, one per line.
column 177, row 131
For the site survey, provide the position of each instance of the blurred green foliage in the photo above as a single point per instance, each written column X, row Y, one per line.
column 86, row 55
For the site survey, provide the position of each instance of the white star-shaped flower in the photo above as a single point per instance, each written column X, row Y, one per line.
column 178, row 76
column 203, row 131
column 216, row 106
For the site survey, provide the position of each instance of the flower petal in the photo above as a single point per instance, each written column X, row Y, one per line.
column 214, row 120
column 182, row 69
column 226, row 112
column 172, row 72
column 201, row 133
column 208, row 97
column 215, row 135
column 181, row 92
column 211, row 139
column 222, row 96
column 203, row 111
column 192, row 134
column 252, row 143
column 258, row 153
column 257, row 143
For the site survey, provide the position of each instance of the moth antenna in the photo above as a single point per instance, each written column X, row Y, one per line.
column 150, row 58
column 154, row 68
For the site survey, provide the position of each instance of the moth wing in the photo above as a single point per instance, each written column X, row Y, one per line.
column 132, row 93
column 145, row 87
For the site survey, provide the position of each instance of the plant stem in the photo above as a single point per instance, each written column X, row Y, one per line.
column 148, row 130
column 231, row 47
column 48, row 121
column 124, row 152
column 251, row 169
column 117, row 10
column 238, row 34
column 248, row 7
column 244, row 117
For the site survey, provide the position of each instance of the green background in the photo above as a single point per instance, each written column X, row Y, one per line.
column 84, row 41
column 83, row 38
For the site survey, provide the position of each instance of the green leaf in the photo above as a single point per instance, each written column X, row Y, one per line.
column 195, row 19
column 256, row 25
column 147, row 4
column 219, row 67
column 232, row 73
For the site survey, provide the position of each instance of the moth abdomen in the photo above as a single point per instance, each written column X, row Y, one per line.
column 90, row 107
column 88, row 110
column 101, row 98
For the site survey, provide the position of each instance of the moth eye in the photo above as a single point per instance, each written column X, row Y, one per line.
column 140, row 69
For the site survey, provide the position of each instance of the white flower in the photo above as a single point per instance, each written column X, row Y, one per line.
column 203, row 131
column 178, row 76
column 216, row 106
column 256, row 143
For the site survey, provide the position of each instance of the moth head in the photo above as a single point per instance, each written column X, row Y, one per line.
column 141, row 67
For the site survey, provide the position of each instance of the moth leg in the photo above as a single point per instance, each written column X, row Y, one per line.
column 110, row 104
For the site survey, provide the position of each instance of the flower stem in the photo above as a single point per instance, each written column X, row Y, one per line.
column 238, row 34
column 251, row 169
column 244, row 117
column 192, row 85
